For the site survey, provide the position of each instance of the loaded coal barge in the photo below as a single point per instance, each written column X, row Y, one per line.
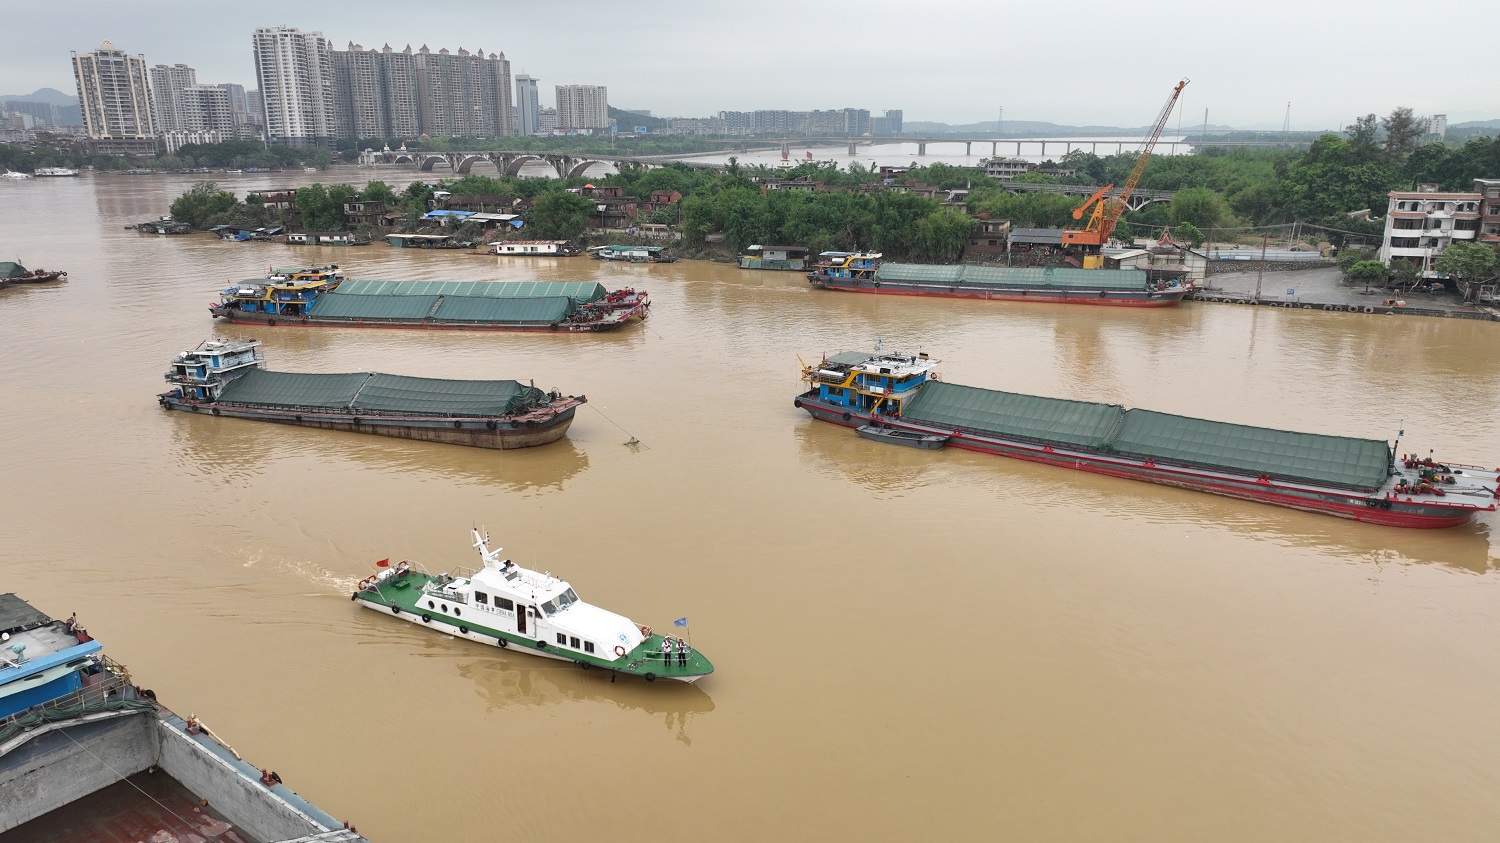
column 229, row 379
column 1361, row 479
column 556, row 307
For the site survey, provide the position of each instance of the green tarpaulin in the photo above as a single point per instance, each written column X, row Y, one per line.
column 1029, row 417
column 581, row 292
column 1311, row 457
column 10, row 269
column 378, row 393
column 340, row 306
column 1003, row 278
column 480, row 309
column 1340, row 461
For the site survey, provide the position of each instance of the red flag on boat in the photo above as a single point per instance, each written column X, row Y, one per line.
column 383, row 563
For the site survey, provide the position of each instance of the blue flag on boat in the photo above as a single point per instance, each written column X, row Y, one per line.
column 680, row 622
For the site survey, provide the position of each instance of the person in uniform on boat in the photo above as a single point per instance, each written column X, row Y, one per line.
column 666, row 651
column 681, row 652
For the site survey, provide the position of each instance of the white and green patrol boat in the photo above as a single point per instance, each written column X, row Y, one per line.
column 503, row 604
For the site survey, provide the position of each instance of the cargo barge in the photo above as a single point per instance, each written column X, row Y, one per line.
column 88, row 756
column 229, row 379
column 1361, row 479
column 539, row 306
column 868, row 273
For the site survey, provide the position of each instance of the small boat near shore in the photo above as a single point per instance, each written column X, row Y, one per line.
column 12, row 273
column 892, row 436
column 1360, row 479
column 228, row 378
column 55, row 173
column 502, row 604
column 633, row 254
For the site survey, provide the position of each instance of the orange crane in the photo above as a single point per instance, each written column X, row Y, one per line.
column 1108, row 209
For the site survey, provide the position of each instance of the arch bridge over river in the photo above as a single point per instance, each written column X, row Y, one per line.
column 566, row 165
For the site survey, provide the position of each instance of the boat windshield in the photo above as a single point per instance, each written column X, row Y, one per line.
column 560, row 602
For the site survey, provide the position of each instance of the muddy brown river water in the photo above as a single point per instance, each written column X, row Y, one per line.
column 909, row 645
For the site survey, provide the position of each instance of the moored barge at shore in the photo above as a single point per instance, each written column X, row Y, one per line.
column 867, row 273
column 534, row 306
column 1361, row 479
column 229, row 379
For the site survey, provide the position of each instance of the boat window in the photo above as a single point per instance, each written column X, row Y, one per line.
column 457, row 613
column 431, row 605
column 560, row 602
column 562, row 639
column 504, row 604
column 573, row 642
column 481, row 598
column 588, row 646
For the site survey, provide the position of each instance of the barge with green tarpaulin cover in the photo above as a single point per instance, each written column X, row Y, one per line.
column 1362, row 479
column 228, row 378
column 534, row 306
column 868, row 273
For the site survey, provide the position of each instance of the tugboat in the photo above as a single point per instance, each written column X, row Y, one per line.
column 1360, row 479
column 229, row 379
column 845, row 269
column 503, row 604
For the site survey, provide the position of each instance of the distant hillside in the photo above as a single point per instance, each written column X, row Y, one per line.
column 48, row 95
column 627, row 121
column 1476, row 124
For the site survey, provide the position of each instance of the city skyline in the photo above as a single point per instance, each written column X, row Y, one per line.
column 1313, row 55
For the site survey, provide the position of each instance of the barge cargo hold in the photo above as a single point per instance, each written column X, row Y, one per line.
column 547, row 307
column 1057, row 285
column 229, row 379
column 1360, row 479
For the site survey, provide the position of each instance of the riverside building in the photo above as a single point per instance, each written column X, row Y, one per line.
column 582, row 107
column 1421, row 223
column 387, row 93
column 294, row 72
column 115, row 98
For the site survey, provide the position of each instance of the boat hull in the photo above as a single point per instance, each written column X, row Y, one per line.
column 503, row 640
column 617, row 319
column 475, row 432
column 1389, row 511
column 1106, row 298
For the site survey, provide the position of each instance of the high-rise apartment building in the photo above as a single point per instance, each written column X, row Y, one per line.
column 167, row 84
column 115, row 97
column 390, row 94
column 294, row 70
column 528, row 106
column 582, row 107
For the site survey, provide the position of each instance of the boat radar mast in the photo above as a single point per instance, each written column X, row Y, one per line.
column 491, row 557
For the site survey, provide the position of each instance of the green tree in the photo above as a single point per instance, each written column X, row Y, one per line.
column 1403, row 130
column 1200, row 206
column 1367, row 271
column 1403, row 271
column 378, row 191
column 1465, row 262
column 1189, row 232
column 1364, row 136
column 1349, row 257
column 559, row 215
column 202, row 202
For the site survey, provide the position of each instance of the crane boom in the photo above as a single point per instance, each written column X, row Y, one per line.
column 1108, row 211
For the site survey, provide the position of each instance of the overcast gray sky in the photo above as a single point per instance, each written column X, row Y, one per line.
column 956, row 61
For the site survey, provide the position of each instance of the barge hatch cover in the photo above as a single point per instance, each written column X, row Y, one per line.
column 581, row 292
column 1029, row 277
column 378, row 393
column 1030, row 417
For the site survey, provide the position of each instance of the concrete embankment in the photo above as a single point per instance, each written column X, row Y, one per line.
column 1323, row 289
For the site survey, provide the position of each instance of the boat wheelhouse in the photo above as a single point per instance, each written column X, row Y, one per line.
column 228, row 378
column 502, row 604
column 533, row 248
column 846, row 267
column 42, row 659
column 1360, row 479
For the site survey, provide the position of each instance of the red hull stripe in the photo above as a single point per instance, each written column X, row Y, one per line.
column 1113, row 300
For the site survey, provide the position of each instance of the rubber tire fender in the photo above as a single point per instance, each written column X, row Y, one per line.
column 463, row 630
column 846, row 416
column 395, row 610
column 650, row 677
column 541, row 645
column 501, row 643
column 426, row 618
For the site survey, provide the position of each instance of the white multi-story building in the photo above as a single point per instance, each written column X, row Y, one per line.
column 115, row 98
column 528, row 106
column 1420, row 224
column 546, row 120
column 167, row 84
column 295, row 73
column 582, row 107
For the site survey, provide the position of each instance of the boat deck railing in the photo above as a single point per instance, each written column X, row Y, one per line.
column 115, row 679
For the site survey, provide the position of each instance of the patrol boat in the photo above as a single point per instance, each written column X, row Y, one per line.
column 503, row 604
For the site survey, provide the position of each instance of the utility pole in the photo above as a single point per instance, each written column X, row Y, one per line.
column 1203, row 137
column 1000, row 124
column 1264, row 238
